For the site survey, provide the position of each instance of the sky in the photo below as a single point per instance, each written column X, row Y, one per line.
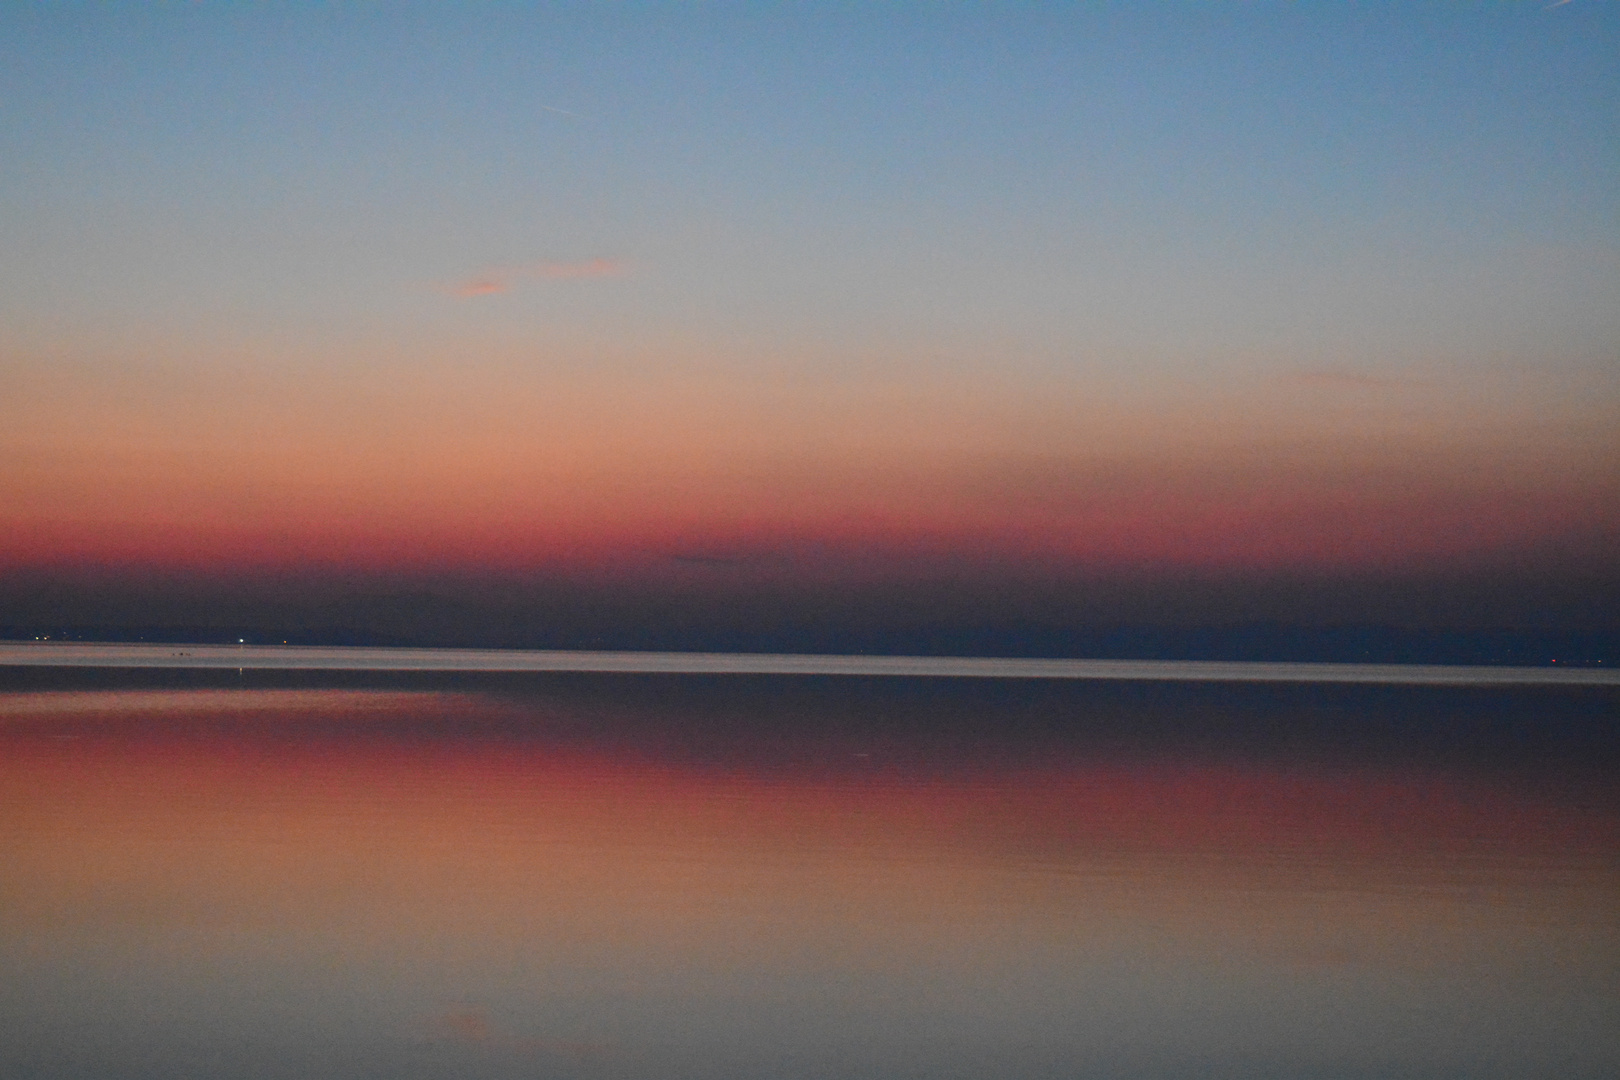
column 1316, row 306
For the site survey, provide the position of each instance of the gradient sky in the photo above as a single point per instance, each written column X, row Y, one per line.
column 1257, row 288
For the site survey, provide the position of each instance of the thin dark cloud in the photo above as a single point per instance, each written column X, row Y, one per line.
column 472, row 1025
column 728, row 559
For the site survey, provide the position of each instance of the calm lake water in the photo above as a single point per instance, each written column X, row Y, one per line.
column 589, row 876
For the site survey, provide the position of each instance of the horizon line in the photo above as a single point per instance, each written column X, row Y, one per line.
column 390, row 658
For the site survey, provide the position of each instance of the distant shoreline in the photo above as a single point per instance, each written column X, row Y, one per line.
column 360, row 658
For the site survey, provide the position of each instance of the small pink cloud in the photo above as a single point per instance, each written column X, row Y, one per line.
column 501, row 279
column 1352, row 379
column 482, row 286
column 468, row 1024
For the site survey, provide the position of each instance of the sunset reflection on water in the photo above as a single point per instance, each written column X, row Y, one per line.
column 359, row 882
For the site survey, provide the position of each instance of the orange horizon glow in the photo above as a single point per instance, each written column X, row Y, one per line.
column 615, row 476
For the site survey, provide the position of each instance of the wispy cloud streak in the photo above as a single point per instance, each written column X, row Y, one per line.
column 1352, row 379
column 501, row 279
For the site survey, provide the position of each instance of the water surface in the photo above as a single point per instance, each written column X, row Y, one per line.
column 655, row 877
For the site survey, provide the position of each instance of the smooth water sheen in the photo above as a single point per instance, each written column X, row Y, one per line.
column 600, row 877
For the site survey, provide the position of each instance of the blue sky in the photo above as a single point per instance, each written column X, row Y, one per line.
column 1177, row 177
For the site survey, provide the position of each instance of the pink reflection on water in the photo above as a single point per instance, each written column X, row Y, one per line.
column 533, row 899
